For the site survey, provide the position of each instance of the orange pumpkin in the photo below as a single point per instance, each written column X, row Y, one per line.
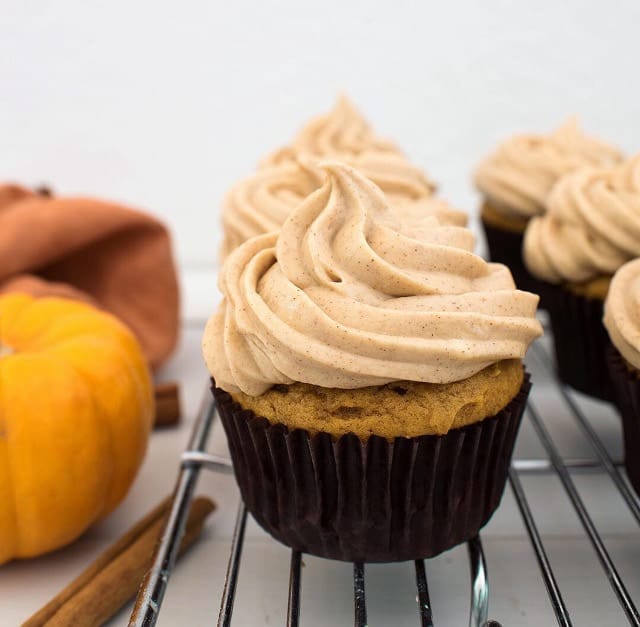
column 76, row 407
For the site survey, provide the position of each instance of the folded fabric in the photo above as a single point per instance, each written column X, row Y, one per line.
column 117, row 258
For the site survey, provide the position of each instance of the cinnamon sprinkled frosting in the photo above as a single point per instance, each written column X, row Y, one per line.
column 261, row 202
column 622, row 312
column 519, row 175
column 591, row 228
column 349, row 295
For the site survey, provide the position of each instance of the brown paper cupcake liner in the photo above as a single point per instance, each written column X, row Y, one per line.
column 580, row 341
column 626, row 392
column 373, row 501
column 506, row 247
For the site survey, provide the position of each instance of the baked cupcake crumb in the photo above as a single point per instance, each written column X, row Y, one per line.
column 398, row 409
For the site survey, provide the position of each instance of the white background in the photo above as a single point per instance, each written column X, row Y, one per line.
column 164, row 104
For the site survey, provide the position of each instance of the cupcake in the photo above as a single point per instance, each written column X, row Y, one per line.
column 622, row 321
column 368, row 376
column 342, row 133
column 260, row 203
column 591, row 228
column 516, row 179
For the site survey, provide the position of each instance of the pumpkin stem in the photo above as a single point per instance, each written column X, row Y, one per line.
column 5, row 350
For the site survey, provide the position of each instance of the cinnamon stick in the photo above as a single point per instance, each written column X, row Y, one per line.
column 167, row 404
column 114, row 577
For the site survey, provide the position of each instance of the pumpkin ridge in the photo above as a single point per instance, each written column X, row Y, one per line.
column 19, row 315
column 111, row 329
column 29, row 305
column 108, row 429
column 58, row 349
column 79, row 311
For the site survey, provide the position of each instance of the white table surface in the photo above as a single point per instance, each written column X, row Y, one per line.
column 517, row 597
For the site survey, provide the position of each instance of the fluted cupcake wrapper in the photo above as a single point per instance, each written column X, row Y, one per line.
column 506, row 247
column 580, row 341
column 626, row 392
column 373, row 501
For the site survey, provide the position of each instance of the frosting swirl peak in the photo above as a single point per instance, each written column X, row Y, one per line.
column 342, row 133
column 261, row 202
column 348, row 295
column 518, row 176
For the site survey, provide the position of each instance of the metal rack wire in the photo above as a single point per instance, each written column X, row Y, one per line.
column 195, row 458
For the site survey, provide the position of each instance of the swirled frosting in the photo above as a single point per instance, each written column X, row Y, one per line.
column 343, row 133
column 348, row 295
column 261, row 203
column 591, row 228
column 622, row 312
column 519, row 175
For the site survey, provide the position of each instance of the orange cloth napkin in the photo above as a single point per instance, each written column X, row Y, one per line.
column 117, row 258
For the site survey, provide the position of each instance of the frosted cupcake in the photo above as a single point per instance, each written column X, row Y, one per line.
column 261, row 203
column 622, row 320
column 516, row 179
column 592, row 227
column 368, row 376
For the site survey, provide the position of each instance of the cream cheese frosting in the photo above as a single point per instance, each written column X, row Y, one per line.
column 519, row 175
column 261, row 203
column 622, row 312
column 342, row 133
column 591, row 228
column 349, row 295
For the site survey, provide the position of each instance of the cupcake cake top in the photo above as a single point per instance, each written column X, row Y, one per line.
column 591, row 228
column 261, row 202
column 622, row 312
column 518, row 176
column 342, row 133
column 349, row 295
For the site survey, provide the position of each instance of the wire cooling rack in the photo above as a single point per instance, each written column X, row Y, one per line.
column 195, row 458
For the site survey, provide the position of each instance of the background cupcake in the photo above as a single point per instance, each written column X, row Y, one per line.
column 367, row 376
column 516, row 179
column 622, row 320
column 592, row 227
